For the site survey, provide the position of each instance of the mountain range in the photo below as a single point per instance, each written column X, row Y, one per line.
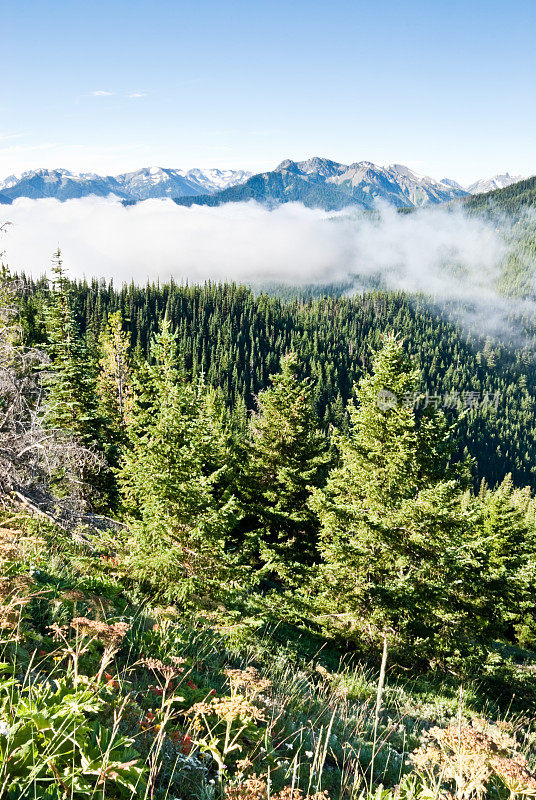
column 317, row 183
column 321, row 183
column 143, row 184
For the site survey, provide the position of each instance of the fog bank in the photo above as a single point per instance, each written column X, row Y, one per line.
column 438, row 251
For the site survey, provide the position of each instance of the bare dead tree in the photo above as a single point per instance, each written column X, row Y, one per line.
column 40, row 468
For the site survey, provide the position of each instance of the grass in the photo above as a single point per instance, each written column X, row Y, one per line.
column 156, row 713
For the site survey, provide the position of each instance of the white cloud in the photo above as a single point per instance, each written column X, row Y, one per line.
column 137, row 94
column 442, row 253
column 158, row 239
column 101, row 93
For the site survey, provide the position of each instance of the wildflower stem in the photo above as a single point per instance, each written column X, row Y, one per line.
column 379, row 694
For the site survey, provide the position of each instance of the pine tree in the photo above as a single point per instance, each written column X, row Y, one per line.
column 395, row 536
column 173, row 479
column 288, row 456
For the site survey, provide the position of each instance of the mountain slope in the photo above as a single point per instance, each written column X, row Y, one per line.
column 213, row 180
column 139, row 185
column 152, row 182
column 512, row 199
column 321, row 183
column 496, row 182
column 159, row 182
column 277, row 187
column 59, row 184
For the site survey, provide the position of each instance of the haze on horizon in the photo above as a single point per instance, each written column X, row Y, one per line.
column 114, row 86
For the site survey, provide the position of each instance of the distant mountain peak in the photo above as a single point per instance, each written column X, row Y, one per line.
column 450, row 182
column 496, row 182
column 141, row 184
column 287, row 164
column 401, row 169
column 317, row 182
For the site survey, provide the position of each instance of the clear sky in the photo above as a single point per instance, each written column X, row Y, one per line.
column 445, row 86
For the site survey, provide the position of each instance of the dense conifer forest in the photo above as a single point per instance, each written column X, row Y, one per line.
column 236, row 338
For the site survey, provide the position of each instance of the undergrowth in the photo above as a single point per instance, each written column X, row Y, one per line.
column 104, row 694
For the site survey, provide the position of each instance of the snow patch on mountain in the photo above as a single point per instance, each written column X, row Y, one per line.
column 490, row 184
column 313, row 181
column 142, row 184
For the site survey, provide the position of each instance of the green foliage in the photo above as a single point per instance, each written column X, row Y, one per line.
column 237, row 339
column 511, row 200
column 174, row 479
column 52, row 745
column 309, row 719
column 72, row 403
column 114, row 381
column 508, row 541
column 288, row 457
column 295, row 539
column 396, row 537
column 72, row 399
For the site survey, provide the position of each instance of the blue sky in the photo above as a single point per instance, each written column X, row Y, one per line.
column 445, row 86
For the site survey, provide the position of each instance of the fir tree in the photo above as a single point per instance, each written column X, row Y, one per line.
column 72, row 403
column 288, row 456
column 395, row 536
column 173, row 479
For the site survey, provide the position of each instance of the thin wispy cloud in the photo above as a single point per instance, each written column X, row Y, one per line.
column 15, row 149
column 5, row 137
column 106, row 93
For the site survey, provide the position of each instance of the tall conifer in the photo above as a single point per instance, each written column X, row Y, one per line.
column 288, row 457
column 395, row 536
column 173, row 479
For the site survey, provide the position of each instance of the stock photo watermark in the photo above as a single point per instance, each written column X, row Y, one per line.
column 449, row 400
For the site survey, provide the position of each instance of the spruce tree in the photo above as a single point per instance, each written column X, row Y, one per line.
column 72, row 403
column 173, row 479
column 288, row 456
column 395, row 536
column 508, row 546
